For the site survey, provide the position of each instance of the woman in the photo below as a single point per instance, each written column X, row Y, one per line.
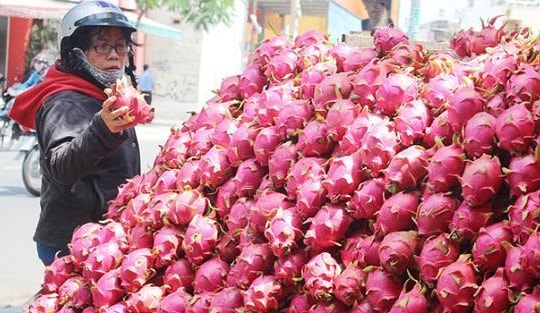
column 86, row 149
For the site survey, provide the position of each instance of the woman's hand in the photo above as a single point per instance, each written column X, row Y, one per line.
column 113, row 118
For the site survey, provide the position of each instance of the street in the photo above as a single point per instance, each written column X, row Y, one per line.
column 21, row 272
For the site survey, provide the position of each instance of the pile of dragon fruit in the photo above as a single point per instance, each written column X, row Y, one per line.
column 333, row 178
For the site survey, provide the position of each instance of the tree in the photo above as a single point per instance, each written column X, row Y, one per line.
column 201, row 13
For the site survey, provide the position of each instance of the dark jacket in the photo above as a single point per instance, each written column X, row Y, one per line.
column 83, row 164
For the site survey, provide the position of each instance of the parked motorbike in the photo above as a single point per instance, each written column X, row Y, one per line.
column 31, row 169
column 9, row 130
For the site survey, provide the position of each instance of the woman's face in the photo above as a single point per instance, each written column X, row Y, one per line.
column 108, row 50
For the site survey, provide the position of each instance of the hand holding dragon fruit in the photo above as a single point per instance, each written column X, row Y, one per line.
column 139, row 111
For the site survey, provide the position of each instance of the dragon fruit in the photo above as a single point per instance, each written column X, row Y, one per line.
column 349, row 284
column 210, row 276
column 263, row 295
column 139, row 112
column 386, row 38
column 327, row 227
column 397, row 250
column 481, row 180
column 494, row 294
column 515, row 128
column 456, row 285
column 382, row 289
column 479, row 134
column 413, row 300
column 437, row 253
column 319, row 275
column 489, row 249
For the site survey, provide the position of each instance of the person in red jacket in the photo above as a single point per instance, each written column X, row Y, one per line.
column 87, row 149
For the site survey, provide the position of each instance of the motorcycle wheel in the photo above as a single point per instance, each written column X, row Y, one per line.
column 31, row 171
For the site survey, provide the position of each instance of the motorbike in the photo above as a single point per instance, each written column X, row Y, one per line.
column 31, row 168
column 9, row 130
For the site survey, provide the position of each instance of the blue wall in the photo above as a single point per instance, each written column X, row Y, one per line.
column 340, row 22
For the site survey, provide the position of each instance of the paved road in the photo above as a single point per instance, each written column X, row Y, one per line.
column 20, row 271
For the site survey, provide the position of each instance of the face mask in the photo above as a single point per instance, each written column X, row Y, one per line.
column 105, row 78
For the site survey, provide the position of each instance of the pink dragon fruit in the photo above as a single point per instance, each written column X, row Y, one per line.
column 174, row 152
column 315, row 139
column 439, row 89
column 254, row 259
column 411, row 121
column 319, row 275
column 74, row 292
column 523, row 173
column 176, row 301
column 456, row 285
column 367, row 81
column 282, row 66
column 343, row 177
column 136, row 269
column 524, row 215
column 340, row 115
column 312, row 76
column 350, row 58
column 280, row 162
column 200, row 238
column 522, row 84
column 331, row 88
column 528, row 302
column 382, row 289
column 481, row 180
column 179, row 274
column 248, row 177
column 48, row 302
column 515, row 128
column 489, row 249
column 227, row 300
column 103, row 258
column 467, row 220
column 328, row 227
column 167, row 241
column 356, row 130
column 288, row 268
column 263, row 295
column 361, row 248
column 84, row 239
column 252, row 81
column 367, row 199
column 310, row 195
column 437, row 252
column 57, row 273
column 378, row 146
column 283, row 231
column 305, row 168
column 396, row 213
column 312, row 54
column 395, row 90
column 210, row 276
column 445, row 167
column 300, row 303
column 146, row 299
column 229, row 88
column 214, row 167
column 516, row 269
column 266, row 206
column 462, row 105
column 410, row 301
column 397, row 250
column 386, row 38
column 349, row 285
column 435, row 213
column 494, row 294
column 439, row 130
column 479, row 134
column 107, row 290
column 406, row 169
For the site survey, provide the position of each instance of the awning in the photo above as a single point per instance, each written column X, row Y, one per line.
column 152, row 27
column 51, row 9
